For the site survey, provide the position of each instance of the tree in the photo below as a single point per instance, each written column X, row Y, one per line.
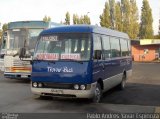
column 122, row 16
column 146, row 29
column 5, row 27
column 118, row 17
column 134, row 25
column 47, row 19
column 112, row 13
column 129, row 14
column 105, row 16
column 0, row 34
column 157, row 37
column 67, row 19
column 84, row 19
column 76, row 19
column 125, row 9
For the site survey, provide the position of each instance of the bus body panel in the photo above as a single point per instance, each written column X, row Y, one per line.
column 61, row 72
column 111, row 71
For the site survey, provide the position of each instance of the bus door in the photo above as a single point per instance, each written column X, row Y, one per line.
column 107, row 57
column 98, row 62
column 116, row 55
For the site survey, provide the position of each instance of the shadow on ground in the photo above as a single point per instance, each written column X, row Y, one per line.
column 134, row 94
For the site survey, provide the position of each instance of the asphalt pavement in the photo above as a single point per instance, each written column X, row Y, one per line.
column 140, row 96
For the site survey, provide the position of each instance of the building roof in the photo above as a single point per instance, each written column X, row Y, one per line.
column 149, row 41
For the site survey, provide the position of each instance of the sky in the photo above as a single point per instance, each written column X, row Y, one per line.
column 23, row 10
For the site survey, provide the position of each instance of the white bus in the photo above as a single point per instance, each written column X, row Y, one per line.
column 22, row 34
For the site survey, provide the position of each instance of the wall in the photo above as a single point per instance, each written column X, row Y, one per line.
column 138, row 52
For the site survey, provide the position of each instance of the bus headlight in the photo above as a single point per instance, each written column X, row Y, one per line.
column 82, row 87
column 35, row 84
column 76, row 86
column 40, row 85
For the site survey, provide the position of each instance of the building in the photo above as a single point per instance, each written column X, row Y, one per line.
column 146, row 49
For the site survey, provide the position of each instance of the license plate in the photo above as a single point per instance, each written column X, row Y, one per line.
column 56, row 91
column 24, row 76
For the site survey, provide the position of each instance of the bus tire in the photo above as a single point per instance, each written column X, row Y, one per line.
column 97, row 94
column 122, row 85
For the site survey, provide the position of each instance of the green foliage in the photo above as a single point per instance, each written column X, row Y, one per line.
column 157, row 37
column 133, row 23
column 121, row 16
column 105, row 17
column 5, row 27
column 0, row 35
column 118, row 18
column 146, row 29
column 76, row 19
column 67, row 19
column 126, row 15
column 112, row 13
column 84, row 19
column 47, row 19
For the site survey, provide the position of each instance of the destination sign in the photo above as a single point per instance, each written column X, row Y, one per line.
column 47, row 56
column 55, row 56
column 74, row 56
column 49, row 38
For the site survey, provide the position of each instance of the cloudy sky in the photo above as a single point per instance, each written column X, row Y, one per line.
column 18, row 10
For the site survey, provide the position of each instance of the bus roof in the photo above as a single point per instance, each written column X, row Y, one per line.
column 31, row 24
column 84, row 29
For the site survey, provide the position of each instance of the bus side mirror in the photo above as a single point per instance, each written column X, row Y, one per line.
column 97, row 54
column 22, row 53
column 1, row 55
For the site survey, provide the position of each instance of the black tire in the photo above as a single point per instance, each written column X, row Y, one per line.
column 97, row 94
column 123, row 83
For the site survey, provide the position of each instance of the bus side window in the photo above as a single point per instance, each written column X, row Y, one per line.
column 106, row 47
column 97, row 46
column 115, row 47
column 129, row 47
column 124, row 47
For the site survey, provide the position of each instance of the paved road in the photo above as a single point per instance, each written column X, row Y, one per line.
column 140, row 95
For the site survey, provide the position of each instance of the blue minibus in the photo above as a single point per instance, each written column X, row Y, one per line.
column 80, row 61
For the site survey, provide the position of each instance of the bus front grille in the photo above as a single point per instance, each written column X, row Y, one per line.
column 57, row 86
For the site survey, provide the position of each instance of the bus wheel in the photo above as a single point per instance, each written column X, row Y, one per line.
column 97, row 94
column 123, row 83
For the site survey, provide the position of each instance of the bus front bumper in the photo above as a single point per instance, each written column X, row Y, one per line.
column 17, row 75
column 65, row 92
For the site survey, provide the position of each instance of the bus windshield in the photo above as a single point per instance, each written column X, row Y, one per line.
column 63, row 46
column 23, row 38
column 33, row 35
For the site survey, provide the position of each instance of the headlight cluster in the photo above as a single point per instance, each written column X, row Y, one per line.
column 79, row 87
column 37, row 85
